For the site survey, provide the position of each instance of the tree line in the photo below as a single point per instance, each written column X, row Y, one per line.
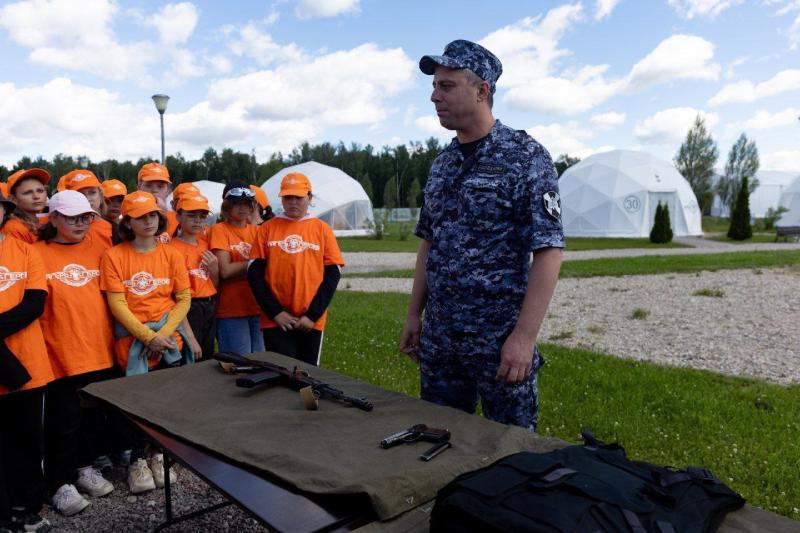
column 391, row 176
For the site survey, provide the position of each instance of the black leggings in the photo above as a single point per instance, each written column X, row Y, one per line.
column 74, row 434
column 21, row 476
column 303, row 345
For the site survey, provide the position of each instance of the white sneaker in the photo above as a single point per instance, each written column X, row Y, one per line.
column 93, row 483
column 140, row 478
column 157, row 467
column 68, row 501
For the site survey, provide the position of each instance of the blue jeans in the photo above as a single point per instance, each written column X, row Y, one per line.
column 241, row 334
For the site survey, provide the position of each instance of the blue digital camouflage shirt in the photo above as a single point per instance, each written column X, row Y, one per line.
column 483, row 217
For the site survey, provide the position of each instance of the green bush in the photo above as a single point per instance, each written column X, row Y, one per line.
column 662, row 227
column 740, row 228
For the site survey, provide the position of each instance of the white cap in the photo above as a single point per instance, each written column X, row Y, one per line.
column 70, row 204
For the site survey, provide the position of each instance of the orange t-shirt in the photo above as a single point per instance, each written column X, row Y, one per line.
column 21, row 268
column 172, row 225
column 297, row 252
column 199, row 277
column 19, row 230
column 103, row 230
column 148, row 279
column 77, row 325
column 235, row 297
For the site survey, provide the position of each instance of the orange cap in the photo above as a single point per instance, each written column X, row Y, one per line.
column 79, row 179
column 112, row 188
column 261, row 196
column 193, row 202
column 62, row 184
column 186, row 187
column 138, row 204
column 295, row 184
column 4, row 188
column 154, row 172
column 39, row 173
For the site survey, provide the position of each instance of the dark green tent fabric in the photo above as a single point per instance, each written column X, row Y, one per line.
column 335, row 450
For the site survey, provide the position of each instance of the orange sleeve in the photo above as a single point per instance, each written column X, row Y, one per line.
column 110, row 279
column 331, row 255
column 259, row 249
column 218, row 238
column 179, row 272
column 36, row 271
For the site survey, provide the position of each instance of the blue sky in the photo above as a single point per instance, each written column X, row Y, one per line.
column 582, row 77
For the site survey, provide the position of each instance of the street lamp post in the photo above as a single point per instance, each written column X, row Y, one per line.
column 161, row 105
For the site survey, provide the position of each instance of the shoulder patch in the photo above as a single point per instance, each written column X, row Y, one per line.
column 552, row 204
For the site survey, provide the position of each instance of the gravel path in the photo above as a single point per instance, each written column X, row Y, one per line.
column 748, row 329
column 358, row 262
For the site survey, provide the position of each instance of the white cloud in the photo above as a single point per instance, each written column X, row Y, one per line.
column 175, row 22
column 307, row 9
column 781, row 160
column 603, row 8
column 78, row 36
column 431, row 126
column 529, row 50
column 612, row 118
column 251, row 41
column 764, row 120
column 746, row 91
column 677, row 57
column 341, row 88
column 671, row 125
column 730, row 71
column 567, row 138
column 702, row 8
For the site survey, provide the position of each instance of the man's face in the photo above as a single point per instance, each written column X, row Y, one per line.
column 159, row 189
column 455, row 99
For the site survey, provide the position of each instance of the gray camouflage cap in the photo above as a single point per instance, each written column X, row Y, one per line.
column 465, row 54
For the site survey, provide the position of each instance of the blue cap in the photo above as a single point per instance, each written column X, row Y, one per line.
column 465, row 54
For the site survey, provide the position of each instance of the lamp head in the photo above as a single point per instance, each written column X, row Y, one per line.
column 161, row 102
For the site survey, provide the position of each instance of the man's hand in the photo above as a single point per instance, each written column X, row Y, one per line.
column 516, row 358
column 304, row 324
column 285, row 321
column 409, row 339
column 196, row 349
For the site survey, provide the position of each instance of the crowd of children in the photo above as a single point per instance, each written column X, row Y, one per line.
column 98, row 283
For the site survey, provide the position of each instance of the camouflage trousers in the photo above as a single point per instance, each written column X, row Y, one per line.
column 456, row 370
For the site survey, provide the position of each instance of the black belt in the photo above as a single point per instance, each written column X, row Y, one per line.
column 206, row 299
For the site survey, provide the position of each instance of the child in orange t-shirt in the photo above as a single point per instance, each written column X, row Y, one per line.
column 28, row 190
column 294, row 273
column 203, row 268
column 24, row 371
column 154, row 178
column 147, row 288
column 81, row 351
column 238, row 320
column 85, row 182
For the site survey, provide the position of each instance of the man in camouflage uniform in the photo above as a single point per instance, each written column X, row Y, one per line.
column 490, row 200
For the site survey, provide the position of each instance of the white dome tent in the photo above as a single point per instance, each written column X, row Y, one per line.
column 211, row 190
column 790, row 199
column 339, row 200
column 771, row 185
column 615, row 194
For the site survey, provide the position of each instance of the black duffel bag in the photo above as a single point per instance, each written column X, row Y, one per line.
column 589, row 488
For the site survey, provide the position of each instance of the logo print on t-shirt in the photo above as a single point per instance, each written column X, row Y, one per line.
column 243, row 248
column 8, row 278
column 164, row 238
column 199, row 272
column 74, row 275
column 294, row 244
column 143, row 283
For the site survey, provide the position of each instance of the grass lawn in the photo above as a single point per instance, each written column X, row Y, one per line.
column 575, row 244
column 648, row 264
column 757, row 237
column 715, row 224
column 745, row 431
